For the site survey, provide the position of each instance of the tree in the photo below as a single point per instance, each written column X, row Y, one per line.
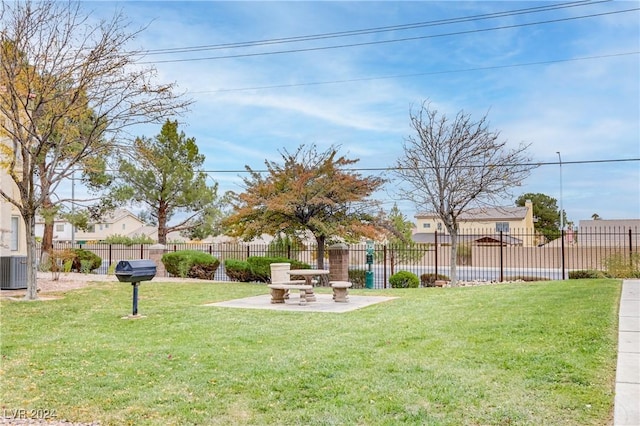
column 164, row 175
column 69, row 89
column 311, row 191
column 451, row 166
column 402, row 248
column 545, row 213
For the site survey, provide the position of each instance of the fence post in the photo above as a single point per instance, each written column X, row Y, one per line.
column 110, row 256
column 630, row 249
column 435, row 242
column 501, row 259
column 141, row 251
column 384, row 266
column 248, row 252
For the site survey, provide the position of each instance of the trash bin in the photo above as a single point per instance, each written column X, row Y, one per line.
column 279, row 272
column 13, row 272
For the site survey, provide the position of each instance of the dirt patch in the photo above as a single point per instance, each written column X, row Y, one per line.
column 72, row 281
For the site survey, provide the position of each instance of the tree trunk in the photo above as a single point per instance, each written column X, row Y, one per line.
column 453, row 233
column 49, row 219
column 47, row 236
column 393, row 262
column 47, row 241
column 162, row 224
column 32, row 276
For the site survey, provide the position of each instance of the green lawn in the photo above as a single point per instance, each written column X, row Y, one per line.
column 517, row 354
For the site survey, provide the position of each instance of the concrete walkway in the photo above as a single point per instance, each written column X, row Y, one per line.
column 627, row 399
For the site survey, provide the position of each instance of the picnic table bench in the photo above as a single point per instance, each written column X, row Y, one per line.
column 278, row 290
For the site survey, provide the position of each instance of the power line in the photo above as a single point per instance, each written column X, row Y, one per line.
column 422, row 74
column 366, row 31
column 385, row 169
column 312, row 49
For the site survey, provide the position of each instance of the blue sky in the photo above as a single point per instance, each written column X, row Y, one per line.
column 581, row 97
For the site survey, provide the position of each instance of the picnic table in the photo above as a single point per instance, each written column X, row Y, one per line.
column 308, row 275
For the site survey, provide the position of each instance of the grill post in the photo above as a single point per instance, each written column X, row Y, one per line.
column 135, row 299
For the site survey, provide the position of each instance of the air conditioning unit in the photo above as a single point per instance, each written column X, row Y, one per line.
column 13, row 272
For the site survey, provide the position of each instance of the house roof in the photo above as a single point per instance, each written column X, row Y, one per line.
column 145, row 230
column 484, row 213
column 429, row 238
column 118, row 214
column 111, row 217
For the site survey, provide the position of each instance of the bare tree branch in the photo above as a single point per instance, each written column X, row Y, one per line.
column 69, row 89
column 449, row 166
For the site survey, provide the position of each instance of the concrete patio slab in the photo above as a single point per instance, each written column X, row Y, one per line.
column 323, row 303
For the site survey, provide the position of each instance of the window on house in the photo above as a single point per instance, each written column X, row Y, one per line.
column 439, row 227
column 123, row 226
column 100, row 227
column 502, row 226
column 60, row 227
column 426, row 225
column 106, row 226
column 91, row 228
column 15, row 232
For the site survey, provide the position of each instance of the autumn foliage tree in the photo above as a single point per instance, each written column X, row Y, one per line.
column 310, row 191
column 69, row 89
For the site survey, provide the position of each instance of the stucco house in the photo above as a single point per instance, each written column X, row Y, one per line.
column 118, row 222
column 13, row 243
column 609, row 232
column 482, row 226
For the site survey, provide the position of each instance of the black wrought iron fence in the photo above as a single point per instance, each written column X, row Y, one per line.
column 481, row 255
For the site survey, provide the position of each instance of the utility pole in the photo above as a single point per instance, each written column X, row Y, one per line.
column 561, row 208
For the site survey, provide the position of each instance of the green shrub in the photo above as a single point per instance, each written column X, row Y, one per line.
column 237, row 270
column 357, row 277
column 257, row 268
column 85, row 260
column 429, row 279
column 621, row 266
column 85, row 266
column 128, row 241
column 111, row 270
column 586, row 273
column 404, row 279
column 191, row 264
column 261, row 266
